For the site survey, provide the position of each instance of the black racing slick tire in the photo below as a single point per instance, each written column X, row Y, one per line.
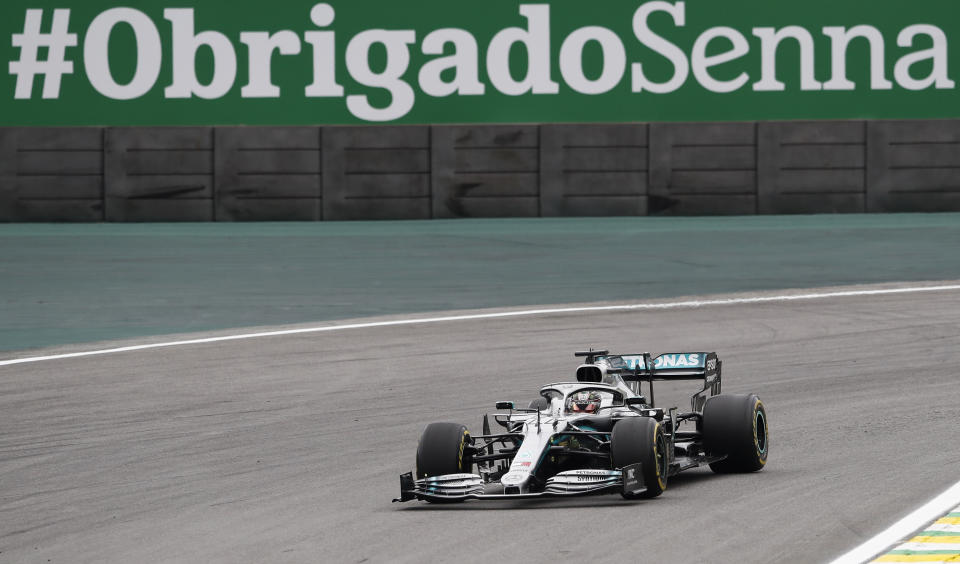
column 443, row 450
column 539, row 404
column 735, row 425
column 641, row 439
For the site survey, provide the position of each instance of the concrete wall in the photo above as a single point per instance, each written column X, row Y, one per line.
column 423, row 172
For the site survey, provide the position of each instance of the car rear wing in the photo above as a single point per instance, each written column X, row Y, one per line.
column 644, row 367
column 671, row 366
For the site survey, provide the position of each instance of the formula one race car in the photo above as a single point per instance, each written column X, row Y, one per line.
column 599, row 434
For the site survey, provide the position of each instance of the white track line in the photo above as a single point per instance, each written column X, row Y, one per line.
column 906, row 527
column 520, row 313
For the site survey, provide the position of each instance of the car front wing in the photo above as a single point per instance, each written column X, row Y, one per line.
column 458, row 487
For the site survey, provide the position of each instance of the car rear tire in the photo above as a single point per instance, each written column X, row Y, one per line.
column 735, row 425
column 641, row 439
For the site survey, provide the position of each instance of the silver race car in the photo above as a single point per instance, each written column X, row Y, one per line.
column 600, row 434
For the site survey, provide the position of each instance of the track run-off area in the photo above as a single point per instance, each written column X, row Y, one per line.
column 286, row 444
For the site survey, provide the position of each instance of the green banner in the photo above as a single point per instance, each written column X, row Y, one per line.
column 302, row 62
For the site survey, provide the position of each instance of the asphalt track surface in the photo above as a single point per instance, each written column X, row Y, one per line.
column 288, row 448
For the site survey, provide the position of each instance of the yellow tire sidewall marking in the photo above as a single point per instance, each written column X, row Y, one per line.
column 656, row 457
column 463, row 444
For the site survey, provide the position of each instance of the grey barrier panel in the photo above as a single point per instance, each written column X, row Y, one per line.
column 52, row 174
column 159, row 174
column 914, row 166
column 593, row 170
column 486, row 171
column 419, row 172
column 703, row 169
column 8, row 174
column 268, row 174
column 811, row 167
column 376, row 172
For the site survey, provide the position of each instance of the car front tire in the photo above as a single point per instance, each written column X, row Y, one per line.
column 641, row 439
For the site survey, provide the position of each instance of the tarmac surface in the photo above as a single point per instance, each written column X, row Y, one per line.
column 288, row 448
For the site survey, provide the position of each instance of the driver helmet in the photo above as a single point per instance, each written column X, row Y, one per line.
column 584, row 402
